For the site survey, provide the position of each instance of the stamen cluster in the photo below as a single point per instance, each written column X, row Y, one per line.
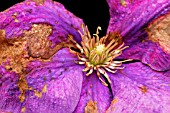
column 99, row 53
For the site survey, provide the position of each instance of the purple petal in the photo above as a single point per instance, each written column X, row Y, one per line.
column 20, row 17
column 149, row 53
column 140, row 89
column 55, row 87
column 95, row 97
column 130, row 20
column 41, row 85
column 155, row 52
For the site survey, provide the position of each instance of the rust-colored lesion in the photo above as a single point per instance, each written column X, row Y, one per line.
column 15, row 56
column 91, row 107
column 17, row 52
column 123, row 3
column 112, row 108
column 143, row 89
column 23, row 87
column 23, row 109
column 159, row 31
column 13, row 52
column 39, row 2
column 14, row 16
column 114, row 101
column 40, row 93
column 38, row 43
column 39, row 46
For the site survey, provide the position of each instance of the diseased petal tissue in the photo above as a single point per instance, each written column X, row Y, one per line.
column 51, row 87
column 95, row 97
column 91, row 107
column 63, row 87
column 35, row 75
column 21, row 16
column 142, row 91
column 31, row 31
column 38, row 2
column 159, row 31
column 155, row 50
column 131, row 19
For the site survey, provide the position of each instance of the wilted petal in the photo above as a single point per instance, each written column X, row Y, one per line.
column 50, row 87
column 140, row 89
column 95, row 97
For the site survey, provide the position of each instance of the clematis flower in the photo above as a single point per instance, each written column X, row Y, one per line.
column 49, row 62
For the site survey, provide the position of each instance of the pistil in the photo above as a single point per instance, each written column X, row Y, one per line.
column 98, row 54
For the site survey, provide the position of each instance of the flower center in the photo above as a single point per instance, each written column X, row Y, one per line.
column 99, row 53
column 96, row 54
column 99, row 49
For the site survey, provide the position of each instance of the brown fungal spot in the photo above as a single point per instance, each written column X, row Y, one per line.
column 39, row 46
column 17, row 52
column 13, row 51
column 115, row 100
column 123, row 3
column 15, row 55
column 37, row 40
column 44, row 90
column 143, row 89
column 23, row 87
column 91, row 107
column 14, row 16
column 23, row 109
column 39, row 94
column 40, row 2
column 34, row 44
column 112, row 108
column 159, row 31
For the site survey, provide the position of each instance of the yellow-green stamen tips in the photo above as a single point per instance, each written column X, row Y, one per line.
column 99, row 53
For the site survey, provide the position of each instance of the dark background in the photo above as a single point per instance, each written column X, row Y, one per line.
column 93, row 12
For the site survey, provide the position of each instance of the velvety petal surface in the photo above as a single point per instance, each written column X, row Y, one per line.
column 131, row 19
column 95, row 97
column 139, row 89
column 50, row 87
